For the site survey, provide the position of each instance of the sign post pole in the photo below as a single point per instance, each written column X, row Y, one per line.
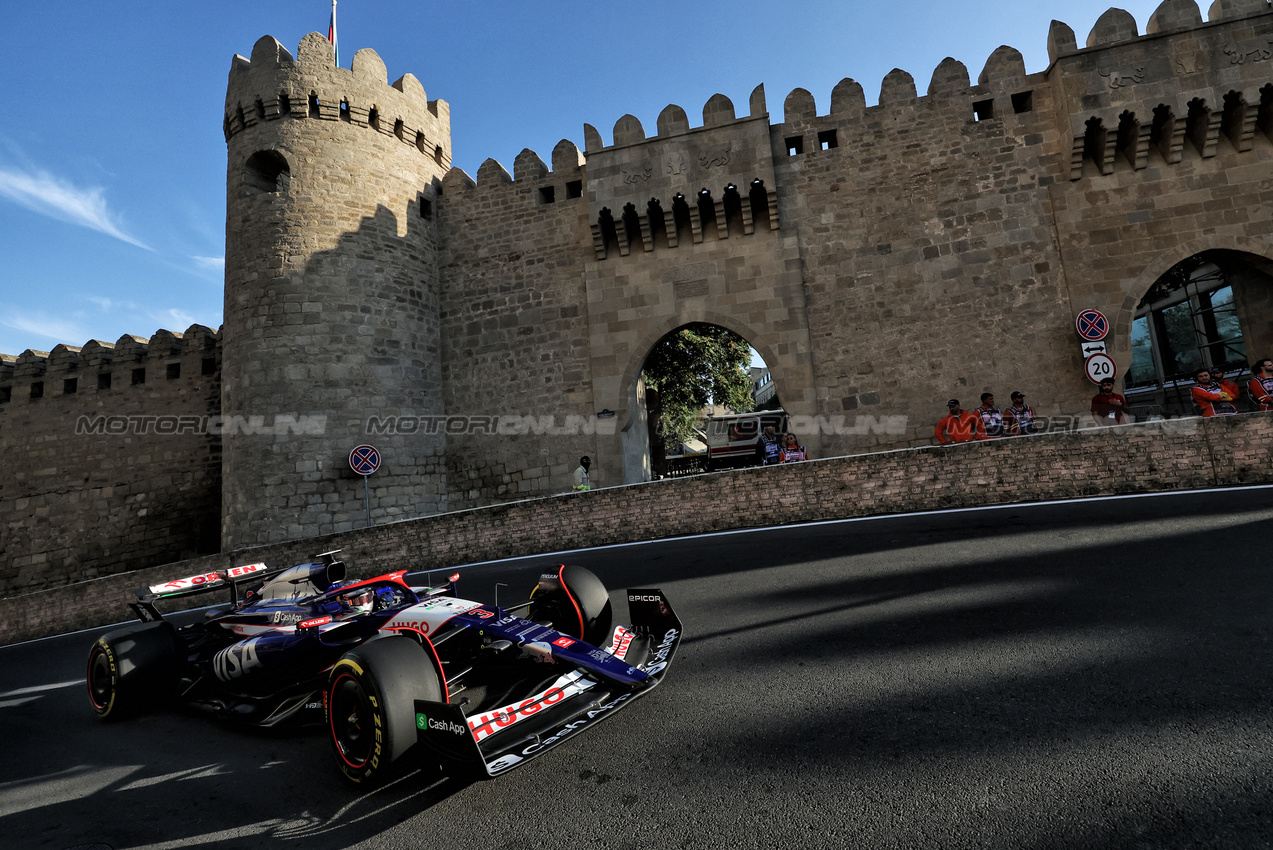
column 365, row 460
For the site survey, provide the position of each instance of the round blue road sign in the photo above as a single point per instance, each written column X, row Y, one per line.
column 364, row 460
column 1092, row 325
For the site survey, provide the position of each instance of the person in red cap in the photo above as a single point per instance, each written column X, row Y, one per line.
column 1260, row 387
column 959, row 426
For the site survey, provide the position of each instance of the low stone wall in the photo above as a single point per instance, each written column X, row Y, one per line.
column 1178, row 455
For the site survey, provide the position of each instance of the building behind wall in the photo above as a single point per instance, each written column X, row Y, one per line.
column 485, row 332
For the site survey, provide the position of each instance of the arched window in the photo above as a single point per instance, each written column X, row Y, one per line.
column 733, row 204
column 707, row 214
column 681, row 218
column 609, row 234
column 1193, row 317
column 658, row 222
column 632, row 224
column 267, row 171
column 759, row 199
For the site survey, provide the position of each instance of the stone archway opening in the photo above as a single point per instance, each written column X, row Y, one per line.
column 1212, row 309
column 695, row 371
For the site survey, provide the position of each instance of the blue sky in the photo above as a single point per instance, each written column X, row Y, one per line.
column 112, row 161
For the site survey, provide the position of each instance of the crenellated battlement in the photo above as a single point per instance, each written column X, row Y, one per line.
column 70, row 370
column 272, row 86
column 1128, row 94
column 529, row 170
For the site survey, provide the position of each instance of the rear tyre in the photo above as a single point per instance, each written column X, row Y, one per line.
column 133, row 668
column 370, row 705
column 576, row 602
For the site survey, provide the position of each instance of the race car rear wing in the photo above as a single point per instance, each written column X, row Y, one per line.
column 650, row 643
column 232, row 579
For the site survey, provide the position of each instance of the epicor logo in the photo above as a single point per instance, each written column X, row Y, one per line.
column 632, row 598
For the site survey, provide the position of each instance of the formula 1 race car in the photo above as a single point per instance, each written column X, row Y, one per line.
column 384, row 665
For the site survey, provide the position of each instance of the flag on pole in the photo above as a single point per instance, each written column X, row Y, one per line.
column 331, row 33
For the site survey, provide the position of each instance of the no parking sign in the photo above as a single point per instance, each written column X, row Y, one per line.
column 365, row 460
column 1092, row 325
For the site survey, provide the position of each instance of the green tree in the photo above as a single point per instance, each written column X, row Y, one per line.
column 692, row 367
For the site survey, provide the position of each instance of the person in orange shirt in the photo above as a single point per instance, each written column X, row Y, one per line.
column 1260, row 387
column 1230, row 387
column 1209, row 397
column 959, row 426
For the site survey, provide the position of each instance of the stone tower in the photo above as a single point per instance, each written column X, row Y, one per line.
column 331, row 291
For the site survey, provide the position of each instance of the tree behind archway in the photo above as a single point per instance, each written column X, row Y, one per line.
column 692, row 367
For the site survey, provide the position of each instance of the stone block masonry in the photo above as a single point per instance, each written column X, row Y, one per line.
column 111, row 455
column 1177, row 455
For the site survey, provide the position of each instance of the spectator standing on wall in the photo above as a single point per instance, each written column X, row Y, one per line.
column 991, row 417
column 1260, row 387
column 767, row 448
column 1230, row 387
column 1018, row 417
column 1209, row 397
column 582, row 480
column 959, row 426
column 791, row 450
column 1109, row 407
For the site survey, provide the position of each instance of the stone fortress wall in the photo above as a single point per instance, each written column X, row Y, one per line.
column 881, row 258
column 484, row 333
column 111, row 457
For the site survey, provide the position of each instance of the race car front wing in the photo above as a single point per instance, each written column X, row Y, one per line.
column 491, row 743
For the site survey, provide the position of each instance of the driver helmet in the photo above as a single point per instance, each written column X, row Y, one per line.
column 360, row 602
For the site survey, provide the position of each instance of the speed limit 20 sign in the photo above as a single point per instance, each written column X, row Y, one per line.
column 1100, row 367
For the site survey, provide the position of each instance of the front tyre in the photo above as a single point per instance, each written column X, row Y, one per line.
column 575, row 601
column 370, row 704
column 133, row 668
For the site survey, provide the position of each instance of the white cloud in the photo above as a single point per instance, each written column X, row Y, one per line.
column 45, row 326
column 173, row 320
column 210, row 263
column 47, row 195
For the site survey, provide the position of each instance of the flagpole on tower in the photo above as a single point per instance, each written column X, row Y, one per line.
column 331, row 34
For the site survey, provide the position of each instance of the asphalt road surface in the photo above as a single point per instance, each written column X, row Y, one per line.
column 1095, row 674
